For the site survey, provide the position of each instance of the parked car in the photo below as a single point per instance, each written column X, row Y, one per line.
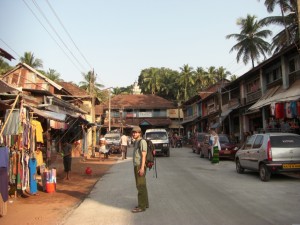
column 200, row 144
column 160, row 139
column 228, row 149
column 113, row 142
column 269, row 153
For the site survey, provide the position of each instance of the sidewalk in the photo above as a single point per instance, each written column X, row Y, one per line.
column 49, row 208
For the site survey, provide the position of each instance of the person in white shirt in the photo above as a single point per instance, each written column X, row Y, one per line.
column 124, row 144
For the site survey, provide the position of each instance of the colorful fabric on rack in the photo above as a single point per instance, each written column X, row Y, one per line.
column 272, row 107
column 39, row 157
column 32, row 175
column 4, row 159
column 288, row 111
column 4, row 183
column 38, row 130
column 279, row 110
column 294, row 109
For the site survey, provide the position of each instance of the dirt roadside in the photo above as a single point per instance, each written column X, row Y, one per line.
column 49, row 208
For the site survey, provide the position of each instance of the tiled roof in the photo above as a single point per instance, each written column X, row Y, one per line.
column 140, row 102
column 73, row 89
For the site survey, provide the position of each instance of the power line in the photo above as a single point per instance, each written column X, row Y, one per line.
column 51, row 35
column 10, row 48
column 49, row 23
column 57, row 17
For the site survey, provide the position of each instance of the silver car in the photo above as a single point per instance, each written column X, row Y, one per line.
column 269, row 153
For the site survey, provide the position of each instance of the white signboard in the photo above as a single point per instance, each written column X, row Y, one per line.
column 145, row 114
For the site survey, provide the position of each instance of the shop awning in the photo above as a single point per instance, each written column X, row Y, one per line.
column 50, row 115
column 266, row 99
column 291, row 94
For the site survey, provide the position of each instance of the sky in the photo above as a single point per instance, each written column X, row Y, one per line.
column 119, row 38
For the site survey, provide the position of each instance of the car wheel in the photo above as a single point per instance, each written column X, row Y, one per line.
column 264, row 173
column 239, row 168
column 201, row 154
column 168, row 153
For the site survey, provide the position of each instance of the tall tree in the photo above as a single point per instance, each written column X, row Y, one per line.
column 4, row 66
column 53, row 75
column 288, row 19
column 151, row 80
column 30, row 60
column 200, row 78
column 186, row 79
column 222, row 74
column 251, row 42
column 89, row 83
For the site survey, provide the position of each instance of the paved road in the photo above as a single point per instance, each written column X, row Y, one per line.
column 190, row 190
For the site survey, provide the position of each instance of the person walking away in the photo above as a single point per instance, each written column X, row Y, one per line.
column 139, row 164
column 124, row 144
column 215, row 146
column 103, row 149
column 67, row 158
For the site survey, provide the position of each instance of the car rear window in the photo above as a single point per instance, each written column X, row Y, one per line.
column 223, row 139
column 156, row 135
column 285, row 141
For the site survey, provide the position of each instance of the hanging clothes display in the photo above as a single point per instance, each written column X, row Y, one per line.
column 279, row 110
column 4, row 166
column 38, row 130
column 294, row 109
column 288, row 111
column 272, row 108
column 32, row 175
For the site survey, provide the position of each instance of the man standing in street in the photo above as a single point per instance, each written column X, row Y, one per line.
column 124, row 143
column 139, row 163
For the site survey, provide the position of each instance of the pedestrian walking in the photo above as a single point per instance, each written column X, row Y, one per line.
column 139, row 164
column 216, row 147
column 124, row 144
column 67, row 158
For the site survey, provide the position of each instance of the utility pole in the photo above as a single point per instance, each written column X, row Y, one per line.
column 92, row 93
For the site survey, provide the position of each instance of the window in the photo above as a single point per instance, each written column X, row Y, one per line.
column 292, row 65
column 249, row 142
column 258, row 141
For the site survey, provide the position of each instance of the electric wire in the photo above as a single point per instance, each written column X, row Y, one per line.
column 10, row 48
column 57, row 17
column 49, row 23
column 51, row 35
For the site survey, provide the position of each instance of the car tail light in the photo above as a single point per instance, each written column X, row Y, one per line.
column 269, row 151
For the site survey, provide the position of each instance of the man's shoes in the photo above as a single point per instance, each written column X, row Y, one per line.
column 139, row 207
column 137, row 210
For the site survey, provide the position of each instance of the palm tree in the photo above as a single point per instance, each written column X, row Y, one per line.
column 200, row 78
column 186, row 79
column 251, row 44
column 211, row 76
column 233, row 77
column 288, row 19
column 4, row 66
column 222, row 74
column 30, row 60
column 89, row 84
column 151, row 80
column 53, row 75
